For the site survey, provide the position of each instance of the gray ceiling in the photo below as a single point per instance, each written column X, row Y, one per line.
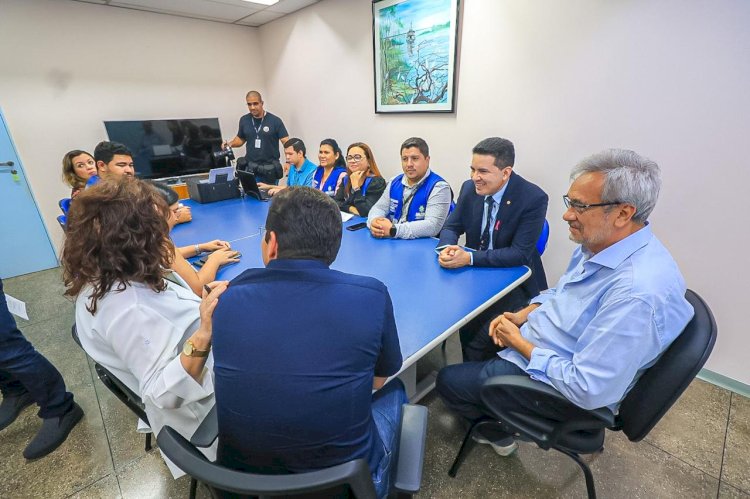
column 225, row 11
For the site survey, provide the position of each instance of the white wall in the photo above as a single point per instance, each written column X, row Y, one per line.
column 562, row 80
column 67, row 66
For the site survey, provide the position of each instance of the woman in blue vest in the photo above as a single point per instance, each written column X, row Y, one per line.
column 363, row 185
column 332, row 167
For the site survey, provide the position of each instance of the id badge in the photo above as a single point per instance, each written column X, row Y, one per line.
column 257, row 143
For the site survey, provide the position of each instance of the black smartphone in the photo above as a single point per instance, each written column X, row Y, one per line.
column 358, row 226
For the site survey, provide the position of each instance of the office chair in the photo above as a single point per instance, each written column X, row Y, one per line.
column 119, row 389
column 541, row 243
column 583, row 432
column 62, row 220
column 64, row 204
column 352, row 476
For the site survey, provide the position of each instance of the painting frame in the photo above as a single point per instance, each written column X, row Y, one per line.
column 414, row 66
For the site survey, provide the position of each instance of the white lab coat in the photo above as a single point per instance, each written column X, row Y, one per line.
column 138, row 335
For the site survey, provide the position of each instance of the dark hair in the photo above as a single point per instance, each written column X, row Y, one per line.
column 105, row 151
column 68, row 169
column 501, row 149
column 340, row 161
column 297, row 145
column 167, row 193
column 307, row 224
column 374, row 171
column 116, row 234
column 418, row 143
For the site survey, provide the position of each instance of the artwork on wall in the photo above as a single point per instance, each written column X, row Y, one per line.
column 414, row 43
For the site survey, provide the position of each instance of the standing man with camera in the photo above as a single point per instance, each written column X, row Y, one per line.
column 262, row 131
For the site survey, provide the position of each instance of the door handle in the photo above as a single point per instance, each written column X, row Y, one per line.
column 8, row 164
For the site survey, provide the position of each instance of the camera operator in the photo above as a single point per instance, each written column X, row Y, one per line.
column 262, row 131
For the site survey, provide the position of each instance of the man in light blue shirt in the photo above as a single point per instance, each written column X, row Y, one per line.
column 618, row 306
column 301, row 169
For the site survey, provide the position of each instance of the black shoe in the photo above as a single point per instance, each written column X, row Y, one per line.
column 11, row 407
column 53, row 432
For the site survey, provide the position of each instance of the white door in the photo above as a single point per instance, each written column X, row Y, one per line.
column 25, row 245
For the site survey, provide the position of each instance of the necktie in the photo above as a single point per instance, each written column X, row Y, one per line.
column 484, row 242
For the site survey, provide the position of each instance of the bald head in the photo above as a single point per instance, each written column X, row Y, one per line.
column 255, row 104
column 255, row 94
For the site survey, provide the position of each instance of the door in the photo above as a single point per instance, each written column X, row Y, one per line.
column 25, row 245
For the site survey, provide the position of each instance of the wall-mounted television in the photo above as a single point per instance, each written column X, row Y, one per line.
column 169, row 148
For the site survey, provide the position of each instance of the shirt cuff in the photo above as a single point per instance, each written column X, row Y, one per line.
column 179, row 383
column 537, row 367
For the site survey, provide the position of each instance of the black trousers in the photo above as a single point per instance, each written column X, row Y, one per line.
column 23, row 369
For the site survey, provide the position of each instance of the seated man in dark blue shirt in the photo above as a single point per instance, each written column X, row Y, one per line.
column 299, row 347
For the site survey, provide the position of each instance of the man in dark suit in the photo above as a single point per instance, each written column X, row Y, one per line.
column 502, row 215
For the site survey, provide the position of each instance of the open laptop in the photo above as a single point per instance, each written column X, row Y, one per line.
column 250, row 186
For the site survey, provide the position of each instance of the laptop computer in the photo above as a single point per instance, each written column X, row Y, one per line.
column 250, row 186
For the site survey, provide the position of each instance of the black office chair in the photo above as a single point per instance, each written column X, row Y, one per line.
column 583, row 432
column 119, row 389
column 352, row 477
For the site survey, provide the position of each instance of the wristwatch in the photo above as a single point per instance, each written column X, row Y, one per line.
column 393, row 231
column 189, row 349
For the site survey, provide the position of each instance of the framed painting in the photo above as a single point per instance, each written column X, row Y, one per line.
column 414, row 43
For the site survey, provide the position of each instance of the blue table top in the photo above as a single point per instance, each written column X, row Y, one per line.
column 429, row 302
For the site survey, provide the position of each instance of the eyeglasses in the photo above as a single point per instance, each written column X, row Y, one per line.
column 355, row 159
column 581, row 207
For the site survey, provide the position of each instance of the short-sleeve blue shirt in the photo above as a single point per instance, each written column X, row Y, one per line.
column 303, row 176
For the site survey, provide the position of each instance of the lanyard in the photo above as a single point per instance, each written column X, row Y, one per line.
column 257, row 130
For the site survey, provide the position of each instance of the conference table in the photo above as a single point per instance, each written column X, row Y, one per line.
column 430, row 303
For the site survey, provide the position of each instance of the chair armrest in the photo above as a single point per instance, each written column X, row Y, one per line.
column 518, row 402
column 208, row 430
column 408, row 476
column 545, row 392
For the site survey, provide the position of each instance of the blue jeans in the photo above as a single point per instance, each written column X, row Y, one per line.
column 387, row 407
column 23, row 369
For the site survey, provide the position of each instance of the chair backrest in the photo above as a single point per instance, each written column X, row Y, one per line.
column 354, row 474
column 62, row 220
column 663, row 383
column 541, row 243
column 64, row 205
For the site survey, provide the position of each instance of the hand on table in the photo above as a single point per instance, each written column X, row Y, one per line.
column 183, row 214
column 453, row 257
column 224, row 256
column 214, row 245
column 381, row 227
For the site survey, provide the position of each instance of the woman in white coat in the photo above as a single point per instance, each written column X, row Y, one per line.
column 134, row 316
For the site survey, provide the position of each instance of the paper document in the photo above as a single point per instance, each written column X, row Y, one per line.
column 16, row 307
column 345, row 217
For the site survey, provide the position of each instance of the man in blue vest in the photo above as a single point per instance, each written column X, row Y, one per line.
column 502, row 215
column 415, row 203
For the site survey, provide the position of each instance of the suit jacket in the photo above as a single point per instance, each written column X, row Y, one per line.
column 521, row 215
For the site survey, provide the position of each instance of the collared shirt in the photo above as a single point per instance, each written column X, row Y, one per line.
column 497, row 197
column 609, row 318
column 436, row 211
column 302, row 176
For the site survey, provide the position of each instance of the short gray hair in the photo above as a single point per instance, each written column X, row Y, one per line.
column 628, row 178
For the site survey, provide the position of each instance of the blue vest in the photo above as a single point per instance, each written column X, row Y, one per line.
column 330, row 186
column 364, row 184
column 418, row 205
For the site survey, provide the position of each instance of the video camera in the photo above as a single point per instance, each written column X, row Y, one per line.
column 225, row 155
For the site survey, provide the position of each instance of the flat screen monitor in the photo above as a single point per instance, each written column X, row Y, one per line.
column 169, row 148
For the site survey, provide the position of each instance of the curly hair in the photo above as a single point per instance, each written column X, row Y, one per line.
column 116, row 234
column 68, row 169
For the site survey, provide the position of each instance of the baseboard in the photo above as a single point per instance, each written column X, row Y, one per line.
column 720, row 380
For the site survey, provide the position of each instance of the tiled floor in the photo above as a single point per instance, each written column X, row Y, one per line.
column 701, row 449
